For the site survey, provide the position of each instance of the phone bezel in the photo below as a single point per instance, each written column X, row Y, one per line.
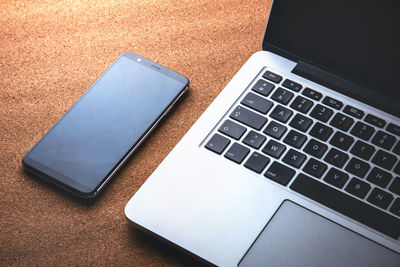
column 74, row 186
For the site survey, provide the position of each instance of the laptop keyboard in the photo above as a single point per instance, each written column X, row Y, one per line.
column 319, row 147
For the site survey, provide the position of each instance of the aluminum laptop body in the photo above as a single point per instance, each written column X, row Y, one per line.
column 224, row 196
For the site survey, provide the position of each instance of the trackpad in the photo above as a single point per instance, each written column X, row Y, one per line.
column 296, row 236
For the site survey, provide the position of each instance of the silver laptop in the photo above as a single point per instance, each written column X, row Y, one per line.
column 297, row 161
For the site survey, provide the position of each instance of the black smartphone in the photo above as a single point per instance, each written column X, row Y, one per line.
column 86, row 147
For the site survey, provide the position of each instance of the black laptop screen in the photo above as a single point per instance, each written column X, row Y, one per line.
column 357, row 40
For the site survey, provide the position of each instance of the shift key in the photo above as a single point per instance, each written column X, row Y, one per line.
column 248, row 117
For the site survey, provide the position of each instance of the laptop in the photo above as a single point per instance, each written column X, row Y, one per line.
column 297, row 161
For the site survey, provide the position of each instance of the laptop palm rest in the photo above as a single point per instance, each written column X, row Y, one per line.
column 296, row 236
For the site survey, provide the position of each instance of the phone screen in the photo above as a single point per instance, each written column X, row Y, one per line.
column 85, row 145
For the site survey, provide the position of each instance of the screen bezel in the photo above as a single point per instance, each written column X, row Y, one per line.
column 75, row 186
column 364, row 95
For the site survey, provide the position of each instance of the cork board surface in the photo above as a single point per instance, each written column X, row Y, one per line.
column 50, row 53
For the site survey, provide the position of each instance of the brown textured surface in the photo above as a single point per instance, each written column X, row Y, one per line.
column 50, row 53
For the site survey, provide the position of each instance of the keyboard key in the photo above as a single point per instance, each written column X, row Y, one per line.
column 273, row 77
column 363, row 131
column 237, row 153
column 396, row 148
column 347, row 205
column 395, row 208
column 275, row 129
column 352, row 111
column 315, row 148
column 248, row 117
column 294, row 158
column 217, row 143
column 292, row 85
column 357, row 167
column 300, row 122
column 380, row 198
column 362, row 150
column 274, row 149
column 397, row 168
column 301, row 104
column 336, row 178
column 379, row 177
column 384, row 159
column 281, row 113
column 315, row 168
column 257, row 103
column 282, row 96
column 358, row 188
column 232, row 129
column 378, row 122
column 312, row 94
column 342, row 122
column 384, row 140
column 320, row 131
column 279, row 173
column 329, row 101
column 336, row 158
column 254, row 139
column 394, row 129
column 341, row 140
column 395, row 186
column 295, row 139
column 256, row 162
column 321, row 113
column 263, row 87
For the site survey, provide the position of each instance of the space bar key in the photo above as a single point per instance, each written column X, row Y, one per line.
column 347, row 205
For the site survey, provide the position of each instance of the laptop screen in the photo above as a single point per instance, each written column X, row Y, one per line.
column 357, row 40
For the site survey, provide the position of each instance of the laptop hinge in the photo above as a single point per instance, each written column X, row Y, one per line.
column 325, row 78
column 346, row 87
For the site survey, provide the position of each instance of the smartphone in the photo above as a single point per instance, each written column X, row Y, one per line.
column 86, row 147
